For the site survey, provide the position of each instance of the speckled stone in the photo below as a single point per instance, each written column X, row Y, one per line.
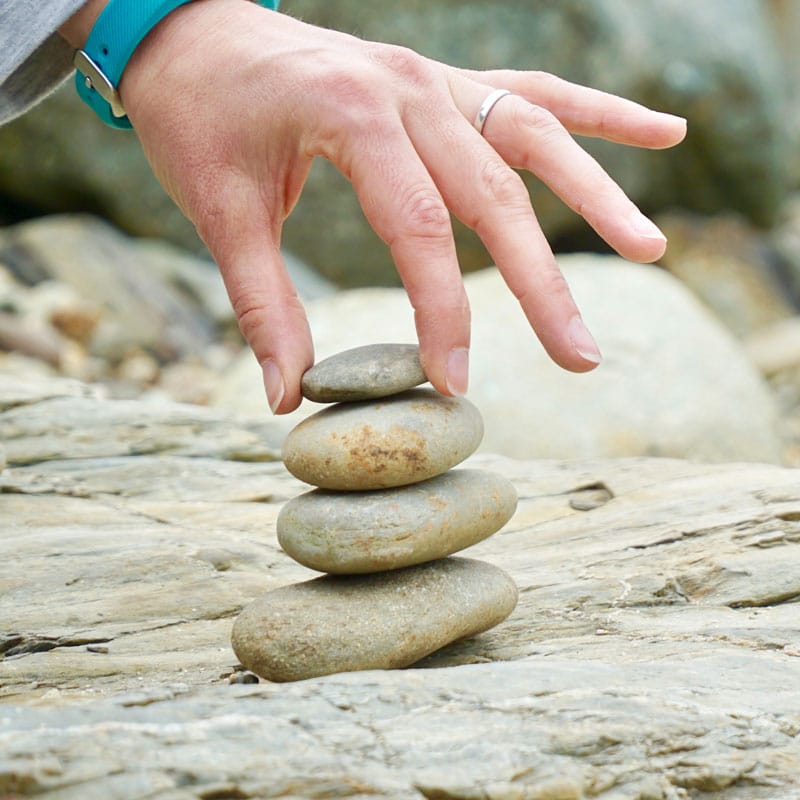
column 364, row 373
column 359, row 532
column 386, row 620
column 404, row 439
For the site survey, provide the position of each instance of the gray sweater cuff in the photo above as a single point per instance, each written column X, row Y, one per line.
column 36, row 59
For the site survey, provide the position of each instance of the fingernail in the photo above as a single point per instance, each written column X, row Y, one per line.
column 457, row 371
column 583, row 341
column 674, row 116
column 273, row 384
column 645, row 228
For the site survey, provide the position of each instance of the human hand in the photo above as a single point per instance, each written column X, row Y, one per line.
column 232, row 102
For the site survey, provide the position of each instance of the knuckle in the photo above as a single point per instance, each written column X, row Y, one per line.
column 539, row 121
column 348, row 95
column 505, row 187
column 255, row 311
column 545, row 80
column 353, row 92
column 403, row 62
column 546, row 287
column 424, row 214
column 552, row 288
column 251, row 317
column 596, row 197
column 606, row 125
column 350, row 103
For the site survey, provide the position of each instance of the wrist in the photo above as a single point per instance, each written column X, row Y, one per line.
column 117, row 31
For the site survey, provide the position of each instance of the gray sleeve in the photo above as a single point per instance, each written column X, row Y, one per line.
column 34, row 59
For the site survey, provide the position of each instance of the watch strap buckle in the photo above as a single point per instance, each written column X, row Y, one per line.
column 95, row 78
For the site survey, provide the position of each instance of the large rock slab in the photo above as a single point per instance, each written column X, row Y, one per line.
column 654, row 652
column 665, row 387
column 545, row 728
column 81, row 427
column 26, row 388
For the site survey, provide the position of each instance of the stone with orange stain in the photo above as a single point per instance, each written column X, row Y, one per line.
column 360, row 532
column 396, row 441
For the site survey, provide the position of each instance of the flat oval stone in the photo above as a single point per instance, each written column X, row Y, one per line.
column 386, row 620
column 404, row 439
column 364, row 373
column 361, row 532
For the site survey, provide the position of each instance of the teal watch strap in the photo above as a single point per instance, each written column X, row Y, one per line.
column 118, row 31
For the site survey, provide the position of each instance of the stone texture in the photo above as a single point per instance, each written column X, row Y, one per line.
column 128, row 287
column 776, row 348
column 654, row 653
column 786, row 20
column 27, row 388
column 664, row 388
column 725, row 262
column 364, row 373
column 785, row 239
column 386, row 620
column 550, row 729
column 379, row 444
column 134, row 314
column 67, row 427
column 379, row 530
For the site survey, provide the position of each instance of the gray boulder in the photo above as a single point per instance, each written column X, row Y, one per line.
column 715, row 62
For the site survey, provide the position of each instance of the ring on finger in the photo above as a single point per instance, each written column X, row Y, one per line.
column 486, row 107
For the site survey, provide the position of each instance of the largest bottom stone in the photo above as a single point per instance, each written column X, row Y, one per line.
column 386, row 620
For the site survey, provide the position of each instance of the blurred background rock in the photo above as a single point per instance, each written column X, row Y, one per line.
column 148, row 314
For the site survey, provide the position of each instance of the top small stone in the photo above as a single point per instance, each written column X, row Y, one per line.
column 364, row 373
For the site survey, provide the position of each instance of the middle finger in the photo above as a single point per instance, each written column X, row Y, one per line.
column 489, row 197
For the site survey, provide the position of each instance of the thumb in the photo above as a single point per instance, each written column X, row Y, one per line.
column 270, row 314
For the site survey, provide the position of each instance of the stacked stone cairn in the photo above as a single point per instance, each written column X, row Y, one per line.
column 388, row 511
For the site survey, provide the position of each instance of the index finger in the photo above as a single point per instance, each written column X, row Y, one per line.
column 406, row 209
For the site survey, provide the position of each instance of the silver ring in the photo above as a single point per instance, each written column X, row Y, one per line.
column 486, row 106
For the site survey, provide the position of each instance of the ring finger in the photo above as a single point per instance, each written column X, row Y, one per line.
column 530, row 137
